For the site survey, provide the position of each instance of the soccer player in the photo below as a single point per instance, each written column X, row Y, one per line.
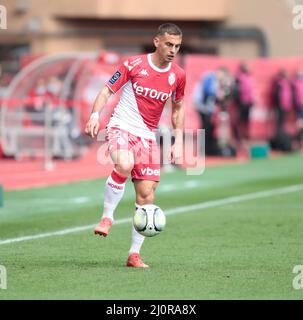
column 147, row 82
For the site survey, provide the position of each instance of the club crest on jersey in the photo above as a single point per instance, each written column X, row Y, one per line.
column 171, row 78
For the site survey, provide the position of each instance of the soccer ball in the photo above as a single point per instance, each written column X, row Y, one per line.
column 149, row 220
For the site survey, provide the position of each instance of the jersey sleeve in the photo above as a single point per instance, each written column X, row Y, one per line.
column 179, row 93
column 119, row 78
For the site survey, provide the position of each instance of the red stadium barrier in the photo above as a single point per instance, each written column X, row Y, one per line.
column 52, row 102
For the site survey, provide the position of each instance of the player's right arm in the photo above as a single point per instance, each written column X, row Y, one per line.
column 92, row 126
column 120, row 77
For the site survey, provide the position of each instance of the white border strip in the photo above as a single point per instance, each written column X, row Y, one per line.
column 202, row 205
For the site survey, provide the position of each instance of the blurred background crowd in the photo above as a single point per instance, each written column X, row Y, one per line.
column 224, row 102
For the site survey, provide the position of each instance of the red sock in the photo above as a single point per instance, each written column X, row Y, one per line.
column 118, row 177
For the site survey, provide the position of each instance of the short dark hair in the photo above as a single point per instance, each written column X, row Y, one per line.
column 169, row 28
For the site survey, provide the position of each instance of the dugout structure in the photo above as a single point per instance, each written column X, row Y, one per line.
column 54, row 129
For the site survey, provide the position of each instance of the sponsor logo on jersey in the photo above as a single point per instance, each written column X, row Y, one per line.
column 152, row 93
column 115, row 77
column 171, row 78
column 150, row 172
column 144, row 72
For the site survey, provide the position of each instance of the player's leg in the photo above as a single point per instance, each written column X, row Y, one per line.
column 114, row 188
column 145, row 191
column 145, row 175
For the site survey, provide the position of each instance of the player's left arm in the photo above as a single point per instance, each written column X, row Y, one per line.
column 178, row 125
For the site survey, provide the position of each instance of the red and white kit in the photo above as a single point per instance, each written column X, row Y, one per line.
column 146, row 88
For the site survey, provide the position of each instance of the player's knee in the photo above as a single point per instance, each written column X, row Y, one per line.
column 125, row 167
column 145, row 197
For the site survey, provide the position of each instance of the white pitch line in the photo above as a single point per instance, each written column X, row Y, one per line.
column 235, row 199
column 197, row 206
column 80, row 200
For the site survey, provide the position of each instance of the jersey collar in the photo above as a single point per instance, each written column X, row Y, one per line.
column 155, row 67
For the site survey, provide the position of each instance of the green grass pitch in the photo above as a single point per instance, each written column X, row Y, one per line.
column 230, row 250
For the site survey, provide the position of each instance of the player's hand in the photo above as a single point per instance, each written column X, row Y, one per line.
column 92, row 127
column 177, row 153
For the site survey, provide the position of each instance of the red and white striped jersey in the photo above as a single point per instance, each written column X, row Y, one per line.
column 146, row 88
